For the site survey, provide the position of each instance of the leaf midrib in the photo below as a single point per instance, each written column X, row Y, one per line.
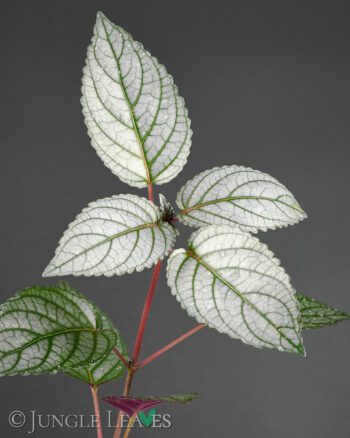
column 51, row 335
column 299, row 347
column 130, row 107
column 237, row 198
column 104, row 241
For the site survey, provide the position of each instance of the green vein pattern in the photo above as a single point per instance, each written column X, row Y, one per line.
column 105, row 370
column 47, row 329
column 231, row 281
column 314, row 314
column 137, row 122
column 113, row 236
column 238, row 196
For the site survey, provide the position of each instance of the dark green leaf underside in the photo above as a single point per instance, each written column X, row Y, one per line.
column 105, row 370
column 175, row 398
column 315, row 314
column 45, row 329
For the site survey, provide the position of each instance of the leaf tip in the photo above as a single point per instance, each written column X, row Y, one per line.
column 300, row 350
column 100, row 15
column 49, row 271
column 296, row 206
column 45, row 273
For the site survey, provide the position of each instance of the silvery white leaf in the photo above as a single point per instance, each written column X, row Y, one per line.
column 238, row 196
column 113, row 236
column 137, row 121
column 231, row 281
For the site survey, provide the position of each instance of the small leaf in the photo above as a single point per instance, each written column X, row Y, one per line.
column 46, row 329
column 238, row 196
column 231, row 281
column 137, row 122
column 105, row 370
column 314, row 314
column 167, row 211
column 113, row 236
column 132, row 405
column 175, row 398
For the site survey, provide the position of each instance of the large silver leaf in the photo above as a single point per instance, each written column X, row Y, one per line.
column 137, row 121
column 238, row 196
column 231, row 281
column 46, row 329
column 113, row 236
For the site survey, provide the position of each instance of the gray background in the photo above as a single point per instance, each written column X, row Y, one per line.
column 267, row 86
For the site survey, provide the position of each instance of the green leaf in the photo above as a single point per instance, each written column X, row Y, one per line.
column 113, row 236
column 47, row 329
column 238, row 196
column 105, row 370
column 231, row 281
column 175, row 398
column 314, row 314
column 136, row 119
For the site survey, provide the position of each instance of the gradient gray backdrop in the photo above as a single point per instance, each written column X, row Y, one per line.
column 267, row 86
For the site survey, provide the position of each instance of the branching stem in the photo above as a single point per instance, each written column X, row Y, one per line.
column 121, row 357
column 134, row 365
column 141, row 329
column 170, row 345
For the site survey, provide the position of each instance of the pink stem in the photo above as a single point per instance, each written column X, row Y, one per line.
column 141, row 329
column 150, row 192
column 145, row 312
column 139, row 339
column 94, row 391
column 171, row 345
column 121, row 357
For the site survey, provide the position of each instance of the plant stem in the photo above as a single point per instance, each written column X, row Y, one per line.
column 121, row 357
column 94, row 391
column 139, row 339
column 171, row 345
column 133, row 366
column 150, row 192
column 127, row 386
column 128, row 382
column 145, row 311
column 129, row 426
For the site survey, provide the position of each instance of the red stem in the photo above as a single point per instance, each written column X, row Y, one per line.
column 94, row 391
column 171, row 345
column 139, row 339
column 145, row 312
column 141, row 329
column 121, row 357
column 132, row 367
column 150, row 192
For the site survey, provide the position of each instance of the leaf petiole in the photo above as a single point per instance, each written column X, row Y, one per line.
column 170, row 345
column 94, row 392
column 125, row 361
